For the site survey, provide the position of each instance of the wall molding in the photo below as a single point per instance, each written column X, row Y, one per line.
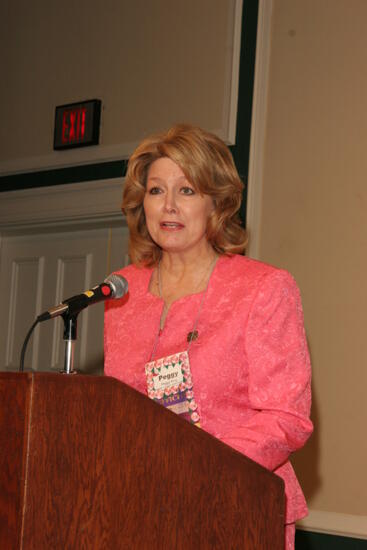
column 258, row 128
column 334, row 523
column 81, row 204
column 68, row 159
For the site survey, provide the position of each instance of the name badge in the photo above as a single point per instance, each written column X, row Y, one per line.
column 169, row 383
column 169, row 375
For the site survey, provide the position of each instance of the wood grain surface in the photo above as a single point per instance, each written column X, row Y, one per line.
column 14, row 407
column 107, row 468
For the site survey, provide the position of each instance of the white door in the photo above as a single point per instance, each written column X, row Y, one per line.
column 38, row 271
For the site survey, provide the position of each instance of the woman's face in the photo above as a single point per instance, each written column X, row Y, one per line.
column 176, row 215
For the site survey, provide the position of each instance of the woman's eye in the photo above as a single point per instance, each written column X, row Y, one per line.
column 154, row 191
column 187, row 191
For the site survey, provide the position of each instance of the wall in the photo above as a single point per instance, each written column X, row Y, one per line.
column 150, row 63
column 312, row 221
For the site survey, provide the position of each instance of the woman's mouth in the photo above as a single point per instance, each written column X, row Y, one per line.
column 171, row 226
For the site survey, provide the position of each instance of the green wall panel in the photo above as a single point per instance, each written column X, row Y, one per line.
column 316, row 541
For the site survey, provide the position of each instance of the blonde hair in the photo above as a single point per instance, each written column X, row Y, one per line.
column 208, row 165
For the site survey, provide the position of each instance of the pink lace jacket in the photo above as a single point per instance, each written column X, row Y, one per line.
column 250, row 364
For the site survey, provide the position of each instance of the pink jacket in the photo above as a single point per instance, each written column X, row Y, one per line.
column 250, row 364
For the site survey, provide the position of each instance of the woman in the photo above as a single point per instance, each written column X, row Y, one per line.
column 236, row 322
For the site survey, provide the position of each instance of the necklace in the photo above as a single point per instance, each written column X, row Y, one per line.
column 193, row 335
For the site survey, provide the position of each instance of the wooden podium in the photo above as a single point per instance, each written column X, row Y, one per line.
column 88, row 463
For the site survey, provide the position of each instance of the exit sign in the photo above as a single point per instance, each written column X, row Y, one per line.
column 77, row 124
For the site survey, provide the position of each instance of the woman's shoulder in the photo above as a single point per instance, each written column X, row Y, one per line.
column 136, row 276
column 134, row 270
column 261, row 283
column 255, row 273
column 130, row 269
column 248, row 267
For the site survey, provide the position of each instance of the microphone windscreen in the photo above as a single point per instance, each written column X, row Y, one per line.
column 119, row 285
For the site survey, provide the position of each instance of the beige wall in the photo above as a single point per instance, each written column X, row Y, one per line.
column 149, row 62
column 314, row 223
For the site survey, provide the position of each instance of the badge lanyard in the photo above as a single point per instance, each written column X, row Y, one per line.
column 169, row 380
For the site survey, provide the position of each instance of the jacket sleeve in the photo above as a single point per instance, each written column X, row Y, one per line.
column 279, row 375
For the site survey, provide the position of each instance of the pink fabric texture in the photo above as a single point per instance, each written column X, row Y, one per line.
column 289, row 536
column 250, row 364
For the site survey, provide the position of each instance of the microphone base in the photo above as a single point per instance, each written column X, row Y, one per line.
column 68, row 372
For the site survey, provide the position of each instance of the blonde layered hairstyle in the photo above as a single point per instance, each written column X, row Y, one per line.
column 208, row 165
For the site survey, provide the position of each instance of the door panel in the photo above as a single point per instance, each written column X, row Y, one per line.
column 38, row 271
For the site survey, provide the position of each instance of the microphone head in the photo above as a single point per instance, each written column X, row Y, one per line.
column 119, row 285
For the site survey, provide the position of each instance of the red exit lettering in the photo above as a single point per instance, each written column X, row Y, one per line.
column 73, row 125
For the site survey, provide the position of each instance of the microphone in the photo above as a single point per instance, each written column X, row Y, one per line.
column 114, row 286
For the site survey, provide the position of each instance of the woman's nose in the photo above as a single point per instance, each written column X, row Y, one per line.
column 170, row 204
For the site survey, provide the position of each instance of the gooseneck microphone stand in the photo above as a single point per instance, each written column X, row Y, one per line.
column 114, row 286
